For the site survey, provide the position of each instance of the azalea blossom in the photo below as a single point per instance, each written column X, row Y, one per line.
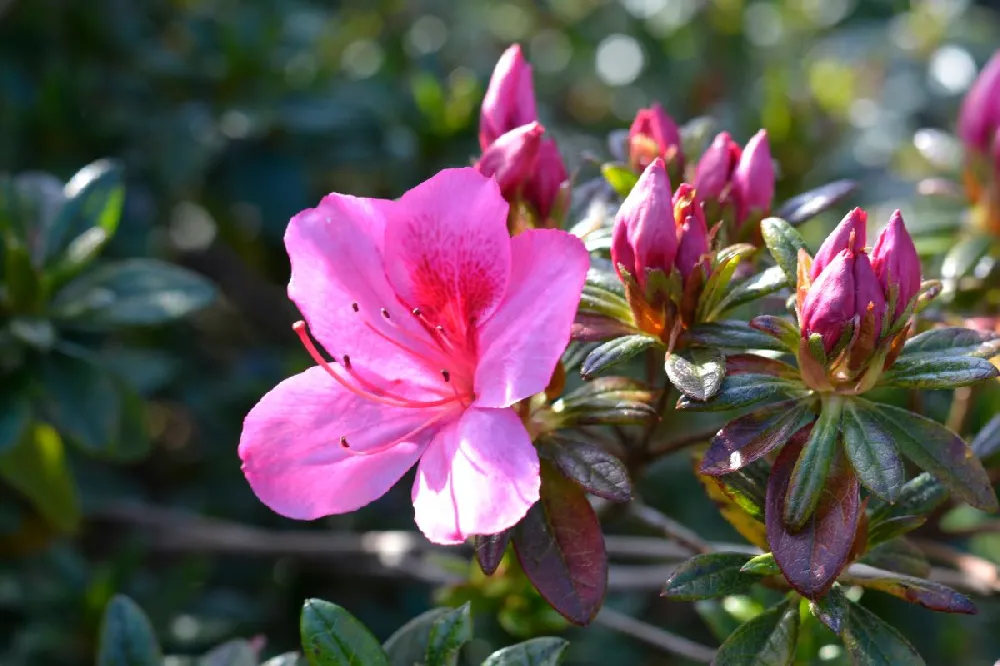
column 435, row 323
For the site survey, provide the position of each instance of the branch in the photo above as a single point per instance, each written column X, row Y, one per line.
column 661, row 638
column 668, row 527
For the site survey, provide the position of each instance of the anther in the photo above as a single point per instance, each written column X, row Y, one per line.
column 385, row 313
column 446, row 375
column 343, row 443
column 347, row 361
column 354, row 306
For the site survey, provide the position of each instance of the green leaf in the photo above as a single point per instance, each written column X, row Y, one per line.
column 709, row 575
column 697, row 373
column 490, row 550
column 37, row 468
column 784, row 244
column 717, row 286
column 15, row 413
column 872, row 453
column 135, row 292
column 616, row 351
column 919, row 496
column 594, row 469
column 809, row 476
column 89, row 218
column 433, row 638
column 767, row 640
column 938, row 343
column 726, row 335
column 232, row 653
column 805, row 206
column 333, row 637
column 761, row 284
column 82, row 401
column 127, row 637
column 544, row 651
column 762, row 565
column 23, row 289
column 961, row 260
column 560, row 546
column 619, row 177
column 752, row 436
column 747, row 389
column 599, row 301
column 926, row 593
column 783, row 331
column 886, row 530
column 984, row 444
column 937, row 373
column 939, row 451
column 872, row 642
column 831, row 609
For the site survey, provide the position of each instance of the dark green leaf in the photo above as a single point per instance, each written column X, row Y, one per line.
column 409, row 644
column 983, row 445
column 15, row 413
column 938, row 343
column 919, row 496
column 899, row 555
column 872, row 453
column 448, row 634
column 697, row 373
column 752, row 436
column 831, row 609
column 598, row 301
column 709, row 575
column 333, row 637
column 784, row 243
column 127, row 637
column 890, row 528
column 872, row 642
column 744, row 390
column 597, row 471
column 812, row 558
column 963, row 256
column 37, row 468
column 233, row 653
column 490, row 550
column 760, row 284
column 560, row 546
column 90, row 216
column 544, row 651
column 809, row 476
column 82, row 401
column 935, row 373
column 135, row 292
column 939, row 451
column 133, row 440
column 726, row 335
column 805, row 206
column 914, row 590
column 779, row 328
column 619, row 177
column 767, row 640
column 616, row 351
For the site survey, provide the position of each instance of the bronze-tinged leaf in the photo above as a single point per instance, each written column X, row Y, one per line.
column 926, row 593
column 593, row 468
column 812, row 558
column 490, row 550
column 754, row 435
column 742, row 364
column 589, row 327
column 744, row 522
column 561, row 548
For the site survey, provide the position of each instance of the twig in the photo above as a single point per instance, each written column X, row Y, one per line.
column 668, row 527
column 961, row 402
column 658, row 449
column 661, row 638
column 975, row 573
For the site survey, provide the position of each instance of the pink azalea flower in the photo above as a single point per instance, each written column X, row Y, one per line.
column 436, row 323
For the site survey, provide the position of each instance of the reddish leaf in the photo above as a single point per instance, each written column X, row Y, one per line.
column 590, row 327
column 490, row 550
column 561, row 548
column 812, row 558
column 926, row 593
column 750, row 437
column 742, row 364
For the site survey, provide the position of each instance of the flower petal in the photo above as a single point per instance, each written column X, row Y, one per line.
column 520, row 345
column 292, row 453
column 479, row 476
column 447, row 250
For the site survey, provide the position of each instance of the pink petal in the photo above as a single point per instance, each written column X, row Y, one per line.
column 292, row 453
column 447, row 250
column 521, row 344
column 478, row 476
column 336, row 257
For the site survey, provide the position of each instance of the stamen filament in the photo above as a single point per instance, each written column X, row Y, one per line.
column 399, row 440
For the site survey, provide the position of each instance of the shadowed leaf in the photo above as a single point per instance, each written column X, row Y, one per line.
column 594, row 469
column 872, row 642
column 805, row 206
column 809, row 476
column 616, row 351
column 750, row 437
column 768, row 639
column 938, row 343
column 899, row 555
column 744, row 390
column 333, row 637
column 127, row 637
column 872, row 453
column 918, row 496
column 707, row 576
column 987, row 441
column 545, row 651
column 934, row 373
column 831, row 609
column 768, row 281
column 490, row 550
column 735, row 335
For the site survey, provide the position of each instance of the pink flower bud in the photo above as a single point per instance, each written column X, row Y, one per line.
column 512, row 158
column 980, row 115
column 510, row 98
column 653, row 134
column 754, row 178
column 895, row 261
column 716, row 167
column 543, row 188
column 644, row 237
column 845, row 289
column 840, row 239
column 689, row 216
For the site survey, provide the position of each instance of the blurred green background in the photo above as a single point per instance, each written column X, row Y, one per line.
column 230, row 116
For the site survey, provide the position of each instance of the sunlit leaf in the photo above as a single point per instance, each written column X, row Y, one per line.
column 926, row 593
column 38, row 469
column 784, row 244
column 697, row 373
column 545, row 651
column 750, row 437
column 872, row 453
column 333, row 637
column 936, row 373
column 769, row 638
column 616, row 351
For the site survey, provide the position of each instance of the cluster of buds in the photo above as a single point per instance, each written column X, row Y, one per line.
column 737, row 185
column 853, row 307
column 526, row 164
column 979, row 130
column 659, row 249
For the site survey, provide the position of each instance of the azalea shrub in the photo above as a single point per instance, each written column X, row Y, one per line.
column 497, row 361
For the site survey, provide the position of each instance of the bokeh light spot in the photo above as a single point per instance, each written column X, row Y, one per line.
column 619, row 60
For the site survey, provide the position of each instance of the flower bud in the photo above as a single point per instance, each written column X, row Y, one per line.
column 644, row 237
column 895, row 261
column 840, row 239
column 512, row 158
column 753, row 181
column 847, row 288
column 510, row 98
column 692, row 231
column 716, row 167
column 545, row 187
column 653, row 134
column 979, row 117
